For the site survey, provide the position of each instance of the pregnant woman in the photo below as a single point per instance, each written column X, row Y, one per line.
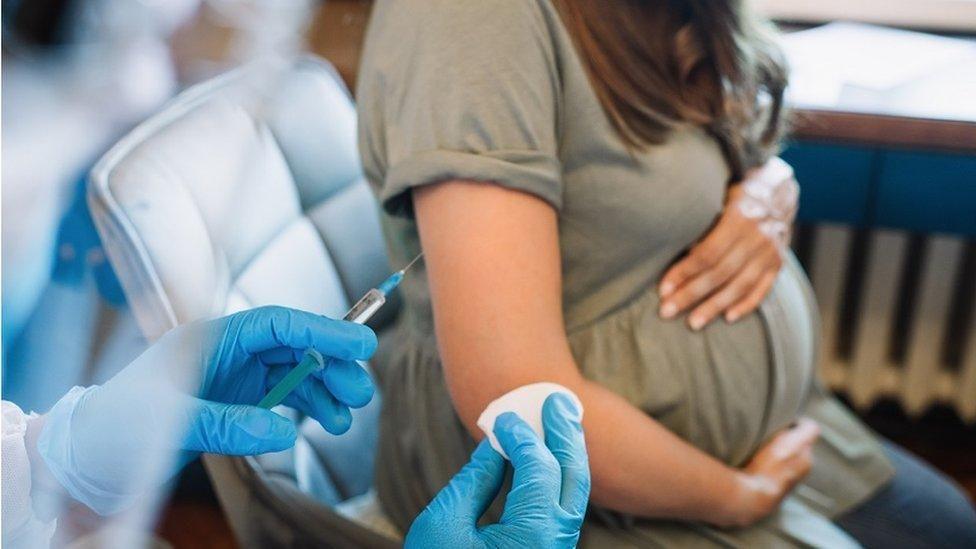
column 578, row 174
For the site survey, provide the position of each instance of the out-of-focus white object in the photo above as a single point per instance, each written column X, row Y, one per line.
column 771, row 195
column 60, row 110
column 526, row 402
column 921, row 14
column 21, row 528
column 856, row 67
column 264, row 25
column 228, row 33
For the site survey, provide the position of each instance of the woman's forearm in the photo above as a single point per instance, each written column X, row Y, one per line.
column 640, row 467
column 637, row 465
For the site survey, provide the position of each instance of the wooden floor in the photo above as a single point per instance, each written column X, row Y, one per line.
column 193, row 519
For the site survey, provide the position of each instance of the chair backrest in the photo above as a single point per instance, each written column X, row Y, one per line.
column 244, row 191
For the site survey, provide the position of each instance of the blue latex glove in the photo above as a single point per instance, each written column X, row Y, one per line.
column 550, row 488
column 194, row 391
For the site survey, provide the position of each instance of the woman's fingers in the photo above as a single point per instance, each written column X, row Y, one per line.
column 796, row 440
column 735, row 285
column 736, row 260
column 745, row 291
column 710, row 277
column 750, row 302
column 787, row 458
column 702, row 257
column 736, row 290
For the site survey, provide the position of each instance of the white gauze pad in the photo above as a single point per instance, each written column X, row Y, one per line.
column 526, row 402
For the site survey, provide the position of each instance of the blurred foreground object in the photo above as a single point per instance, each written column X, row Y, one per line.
column 76, row 74
column 337, row 34
column 228, row 33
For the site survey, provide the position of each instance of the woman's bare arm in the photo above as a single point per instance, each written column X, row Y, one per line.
column 492, row 257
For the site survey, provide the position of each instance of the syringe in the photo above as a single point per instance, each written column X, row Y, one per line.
column 313, row 361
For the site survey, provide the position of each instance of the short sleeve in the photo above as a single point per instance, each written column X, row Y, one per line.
column 459, row 89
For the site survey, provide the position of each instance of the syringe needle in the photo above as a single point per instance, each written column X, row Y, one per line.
column 412, row 261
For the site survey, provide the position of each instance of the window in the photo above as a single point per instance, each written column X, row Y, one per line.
column 950, row 15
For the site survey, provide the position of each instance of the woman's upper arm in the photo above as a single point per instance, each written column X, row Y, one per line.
column 451, row 93
column 492, row 257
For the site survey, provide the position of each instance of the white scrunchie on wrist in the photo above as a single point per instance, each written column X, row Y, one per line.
column 770, row 194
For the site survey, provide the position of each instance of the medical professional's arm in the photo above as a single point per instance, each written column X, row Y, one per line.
column 492, row 257
column 195, row 390
column 22, row 525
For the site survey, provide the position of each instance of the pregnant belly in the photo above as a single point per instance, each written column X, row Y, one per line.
column 724, row 389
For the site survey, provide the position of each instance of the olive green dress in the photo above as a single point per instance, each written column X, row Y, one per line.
column 493, row 90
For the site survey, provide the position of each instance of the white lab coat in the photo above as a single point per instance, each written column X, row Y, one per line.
column 21, row 527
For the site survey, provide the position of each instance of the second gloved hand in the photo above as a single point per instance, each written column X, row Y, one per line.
column 194, row 391
column 550, row 488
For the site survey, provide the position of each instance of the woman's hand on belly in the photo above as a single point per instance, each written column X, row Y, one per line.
column 771, row 474
column 734, row 267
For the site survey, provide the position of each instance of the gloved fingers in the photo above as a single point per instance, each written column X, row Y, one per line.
column 537, row 473
column 235, row 429
column 348, row 382
column 564, row 437
column 472, row 490
column 314, row 400
column 281, row 355
column 269, row 327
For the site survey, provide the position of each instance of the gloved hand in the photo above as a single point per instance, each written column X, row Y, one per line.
column 194, row 391
column 550, row 488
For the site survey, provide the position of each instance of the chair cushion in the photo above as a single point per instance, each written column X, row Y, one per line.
column 200, row 198
column 293, row 270
column 323, row 157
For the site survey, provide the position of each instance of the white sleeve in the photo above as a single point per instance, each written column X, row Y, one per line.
column 21, row 528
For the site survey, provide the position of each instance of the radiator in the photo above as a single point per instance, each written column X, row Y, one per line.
column 899, row 315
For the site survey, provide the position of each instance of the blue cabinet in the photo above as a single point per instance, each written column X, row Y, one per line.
column 835, row 181
column 927, row 192
column 918, row 191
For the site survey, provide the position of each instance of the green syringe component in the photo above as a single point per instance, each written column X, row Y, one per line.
column 311, row 362
column 361, row 312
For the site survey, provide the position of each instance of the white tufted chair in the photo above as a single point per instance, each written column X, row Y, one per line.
column 244, row 191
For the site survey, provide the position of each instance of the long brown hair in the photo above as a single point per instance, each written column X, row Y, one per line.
column 656, row 64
